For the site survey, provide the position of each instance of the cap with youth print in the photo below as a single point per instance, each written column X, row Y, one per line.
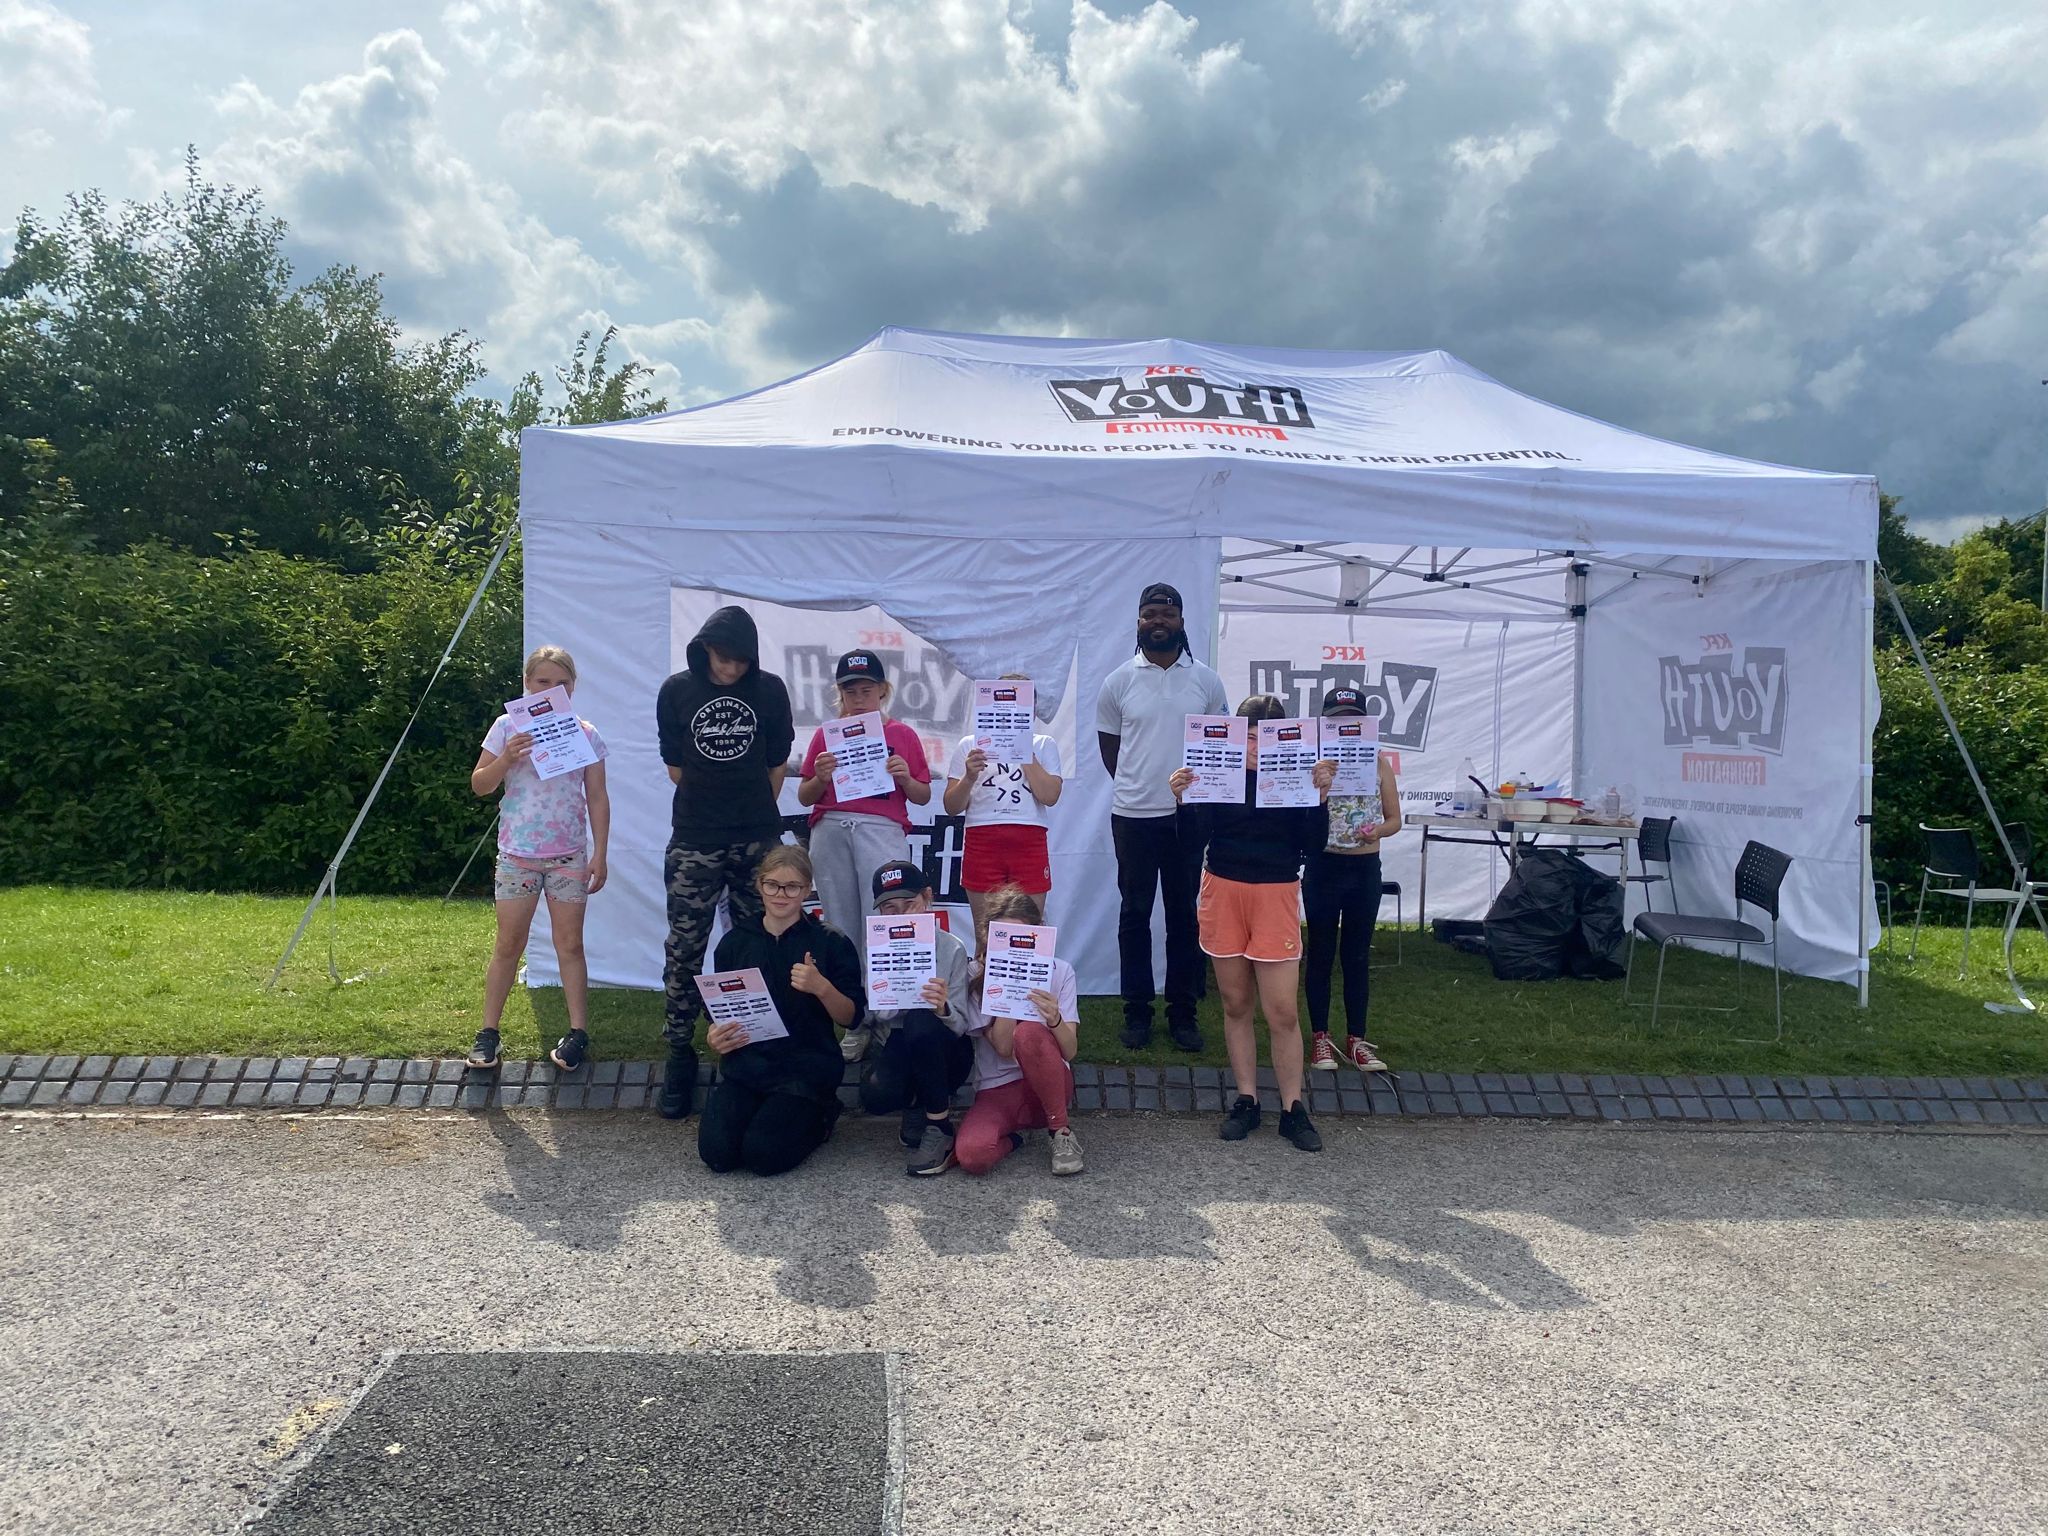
column 900, row 878
column 1343, row 701
column 856, row 665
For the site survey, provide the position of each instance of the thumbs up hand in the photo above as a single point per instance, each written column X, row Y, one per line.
column 806, row 977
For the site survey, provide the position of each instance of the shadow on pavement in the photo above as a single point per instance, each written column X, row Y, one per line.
column 1429, row 1209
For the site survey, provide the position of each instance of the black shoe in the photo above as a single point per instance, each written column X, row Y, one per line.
column 483, row 1056
column 911, row 1131
column 1295, row 1127
column 1186, row 1035
column 1242, row 1120
column 678, row 1084
column 570, row 1050
column 1137, row 1034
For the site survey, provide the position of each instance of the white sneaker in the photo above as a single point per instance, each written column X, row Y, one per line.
column 1066, row 1152
column 854, row 1043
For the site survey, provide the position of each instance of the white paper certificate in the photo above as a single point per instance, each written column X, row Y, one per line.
column 741, row 997
column 1018, row 962
column 560, row 744
column 1003, row 723
column 1288, row 753
column 902, row 957
column 863, row 753
column 1214, row 748
column 1353, row 743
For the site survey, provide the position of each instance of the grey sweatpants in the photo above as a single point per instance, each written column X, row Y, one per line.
column 847, row 848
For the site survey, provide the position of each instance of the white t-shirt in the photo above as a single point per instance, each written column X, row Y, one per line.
column 991, row 1070
column 1000, row 797
column 1145, row 706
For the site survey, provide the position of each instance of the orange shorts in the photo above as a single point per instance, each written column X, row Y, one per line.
column 1253, row 922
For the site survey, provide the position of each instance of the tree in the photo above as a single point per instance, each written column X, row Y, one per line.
column 184, row 388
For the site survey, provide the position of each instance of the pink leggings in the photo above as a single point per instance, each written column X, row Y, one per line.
column 1037, row 1100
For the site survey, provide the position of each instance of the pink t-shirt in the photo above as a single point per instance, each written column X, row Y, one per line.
column 541, row 818
column 903, row 742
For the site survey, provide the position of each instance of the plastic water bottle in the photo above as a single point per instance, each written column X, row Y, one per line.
column 1461, row 792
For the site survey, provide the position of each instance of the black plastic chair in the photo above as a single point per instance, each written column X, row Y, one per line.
column 1952, row 857
column 1758, row 875
column 1654, row 847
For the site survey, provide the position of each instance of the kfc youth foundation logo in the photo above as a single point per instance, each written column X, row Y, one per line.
column 1169, row 399
column 1402, row 695
column 1718, row 702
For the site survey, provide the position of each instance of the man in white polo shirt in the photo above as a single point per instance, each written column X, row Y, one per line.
column 1138, row 722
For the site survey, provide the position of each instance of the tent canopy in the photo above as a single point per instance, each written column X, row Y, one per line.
column 974, row 505
column 1169, row 438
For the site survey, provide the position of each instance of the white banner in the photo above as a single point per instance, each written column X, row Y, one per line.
column 1500, row 694
column 1736, row 709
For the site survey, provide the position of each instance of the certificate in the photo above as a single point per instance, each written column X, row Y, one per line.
column 1288, row 753
column 1017, row 962
column 560, row 744
column 902, row 957
column 1352, row 742
column 1214, row 749
column 1003, row 720
column 741, row 997
column 863, row 753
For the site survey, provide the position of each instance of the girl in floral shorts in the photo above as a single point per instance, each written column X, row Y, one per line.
column 551, row 840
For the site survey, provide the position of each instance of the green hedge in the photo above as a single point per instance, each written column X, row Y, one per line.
column 2003, row 713
column 212, row 724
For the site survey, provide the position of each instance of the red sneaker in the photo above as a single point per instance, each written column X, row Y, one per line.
column 1323, row 1056
column 1361, row 1055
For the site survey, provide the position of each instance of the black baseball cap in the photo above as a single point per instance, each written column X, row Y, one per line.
column 1343, row 701
column 859, row 664
column 900, row 878
column 1160, row 592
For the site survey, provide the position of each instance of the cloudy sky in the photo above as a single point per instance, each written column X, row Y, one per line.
column 1813, row 233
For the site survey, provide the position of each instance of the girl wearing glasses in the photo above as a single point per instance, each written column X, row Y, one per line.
column 777, row 1100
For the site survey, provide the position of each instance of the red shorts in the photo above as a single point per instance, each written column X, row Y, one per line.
column 1252, row 922
column 1008, row 853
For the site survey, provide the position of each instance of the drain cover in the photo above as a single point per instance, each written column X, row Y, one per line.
column 651, row 1444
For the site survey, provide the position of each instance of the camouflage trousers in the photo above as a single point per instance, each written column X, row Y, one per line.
column 695, row 878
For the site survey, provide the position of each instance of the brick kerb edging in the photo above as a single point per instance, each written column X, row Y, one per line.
column 331, row 1082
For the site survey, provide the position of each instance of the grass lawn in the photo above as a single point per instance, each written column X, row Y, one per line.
column 133, row 973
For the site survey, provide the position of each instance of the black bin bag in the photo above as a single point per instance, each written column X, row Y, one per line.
column 1556, row 917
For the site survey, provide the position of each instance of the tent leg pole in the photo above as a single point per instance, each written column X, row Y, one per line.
column 327, row 881
column 1866, row 893
column 1891, row 592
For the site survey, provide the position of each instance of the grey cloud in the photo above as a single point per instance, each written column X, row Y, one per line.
column 1714, row 293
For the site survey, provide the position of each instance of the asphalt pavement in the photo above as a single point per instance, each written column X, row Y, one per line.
column 1429, row 1327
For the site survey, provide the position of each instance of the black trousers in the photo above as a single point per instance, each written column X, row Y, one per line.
column 922, row 1065
column 1340, row 900
column 764, row 1133
column 1153, row 860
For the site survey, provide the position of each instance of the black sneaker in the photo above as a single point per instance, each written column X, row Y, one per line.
column 1185, row 1035
column 911, row 1131
column 570, row 1050
column 483, row 1056
column 1137, row 1034
column 1295, row 1127
column 1242, row 1120
column 678, row 1084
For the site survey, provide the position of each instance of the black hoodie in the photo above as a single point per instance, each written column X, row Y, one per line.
column 725, row 740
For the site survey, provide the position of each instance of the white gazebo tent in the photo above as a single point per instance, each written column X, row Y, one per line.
column 1001, row 500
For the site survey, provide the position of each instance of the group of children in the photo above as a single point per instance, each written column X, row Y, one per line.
column 777, row 1100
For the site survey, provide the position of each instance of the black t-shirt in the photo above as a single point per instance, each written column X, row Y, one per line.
column 808, row 1063
column 724, row 740
column 1258, row 845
